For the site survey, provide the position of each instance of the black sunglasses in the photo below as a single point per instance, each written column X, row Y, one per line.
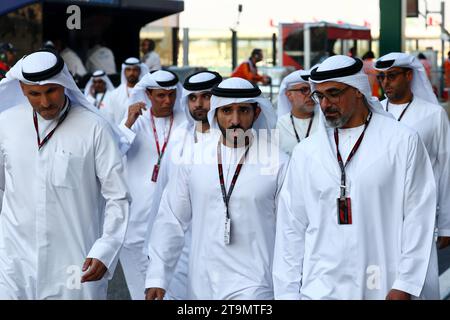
column 391, row 76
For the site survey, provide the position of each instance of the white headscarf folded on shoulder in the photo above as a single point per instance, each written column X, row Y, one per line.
column 133, row 62
column 198, row 82
column 42, row 65
column 284, row 105
column 420, row 86
column 160, row 79
column 236, row 89
column 98, row 74
column 347, row 70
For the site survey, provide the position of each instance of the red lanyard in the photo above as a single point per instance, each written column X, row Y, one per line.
column 48, row 136
column 350, row 156
column 404, row 110
column 155, row 134
column 226, row 196
column 309, row 127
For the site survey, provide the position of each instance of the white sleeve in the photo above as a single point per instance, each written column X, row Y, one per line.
column 153, row 62
column 161, row 184
column 2, row 179
column 292, row 223
column 129, row 135
column 443, row 176
column 167, row 236
column 110, row 172
column 418, row 220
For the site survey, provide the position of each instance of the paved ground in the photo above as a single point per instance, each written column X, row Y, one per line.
column 117, row 289
column 444, row 259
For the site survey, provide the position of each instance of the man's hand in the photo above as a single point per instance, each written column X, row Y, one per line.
column 134, row 111
column 398, row 295
column 96, row 270
column 154, row 294
column 443, row 242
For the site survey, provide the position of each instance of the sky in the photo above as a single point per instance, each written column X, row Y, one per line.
column 258, row 15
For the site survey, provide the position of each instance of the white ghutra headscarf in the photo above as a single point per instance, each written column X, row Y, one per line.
column 99, row 74
column 284, row 105
column 420, row 86
column 43, row 67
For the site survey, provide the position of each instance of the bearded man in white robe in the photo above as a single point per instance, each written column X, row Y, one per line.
column 411, row 100
column 298, row 115
column 98, row 88
column 357, row 209
column 227, row 193
column 195, row 102
column 117, row 102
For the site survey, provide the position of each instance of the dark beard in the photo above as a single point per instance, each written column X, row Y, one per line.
column 238, row 140
column 202, row 118
column 132, row 80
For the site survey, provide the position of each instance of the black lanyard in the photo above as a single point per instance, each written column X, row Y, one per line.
column 101, row 100
column 404, row 110
column 50, row 134
column 226, row 196
column 307, row 132
column 350, row 156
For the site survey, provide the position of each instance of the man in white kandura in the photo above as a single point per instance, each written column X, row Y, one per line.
column 227, row 192
column 154, row 111
column 65, row 205
column 98, row 88
column 411, row 100
column 196, row 103
column 298, row 115
column 132, row 71
column 357, row 209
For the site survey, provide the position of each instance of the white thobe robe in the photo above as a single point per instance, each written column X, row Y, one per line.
column 101, row 58
column 388, row 245
column 117, row 103
column 241, row 269
column 152, row 61
column 73, row 62
column 183, row 142
column 141, row 157
column 288, row 140
column 99, row 99
column 432, row 123
column 62, row 204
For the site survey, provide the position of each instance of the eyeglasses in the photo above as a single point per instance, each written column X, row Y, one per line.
column 304, row 91
column 391, row 76
column 332, row 96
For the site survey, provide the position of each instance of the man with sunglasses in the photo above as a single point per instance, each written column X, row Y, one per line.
column 356, row 210
column 297, row 117
column 411, row 100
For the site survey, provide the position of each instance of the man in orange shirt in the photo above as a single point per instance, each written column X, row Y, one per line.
column 248, row 70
